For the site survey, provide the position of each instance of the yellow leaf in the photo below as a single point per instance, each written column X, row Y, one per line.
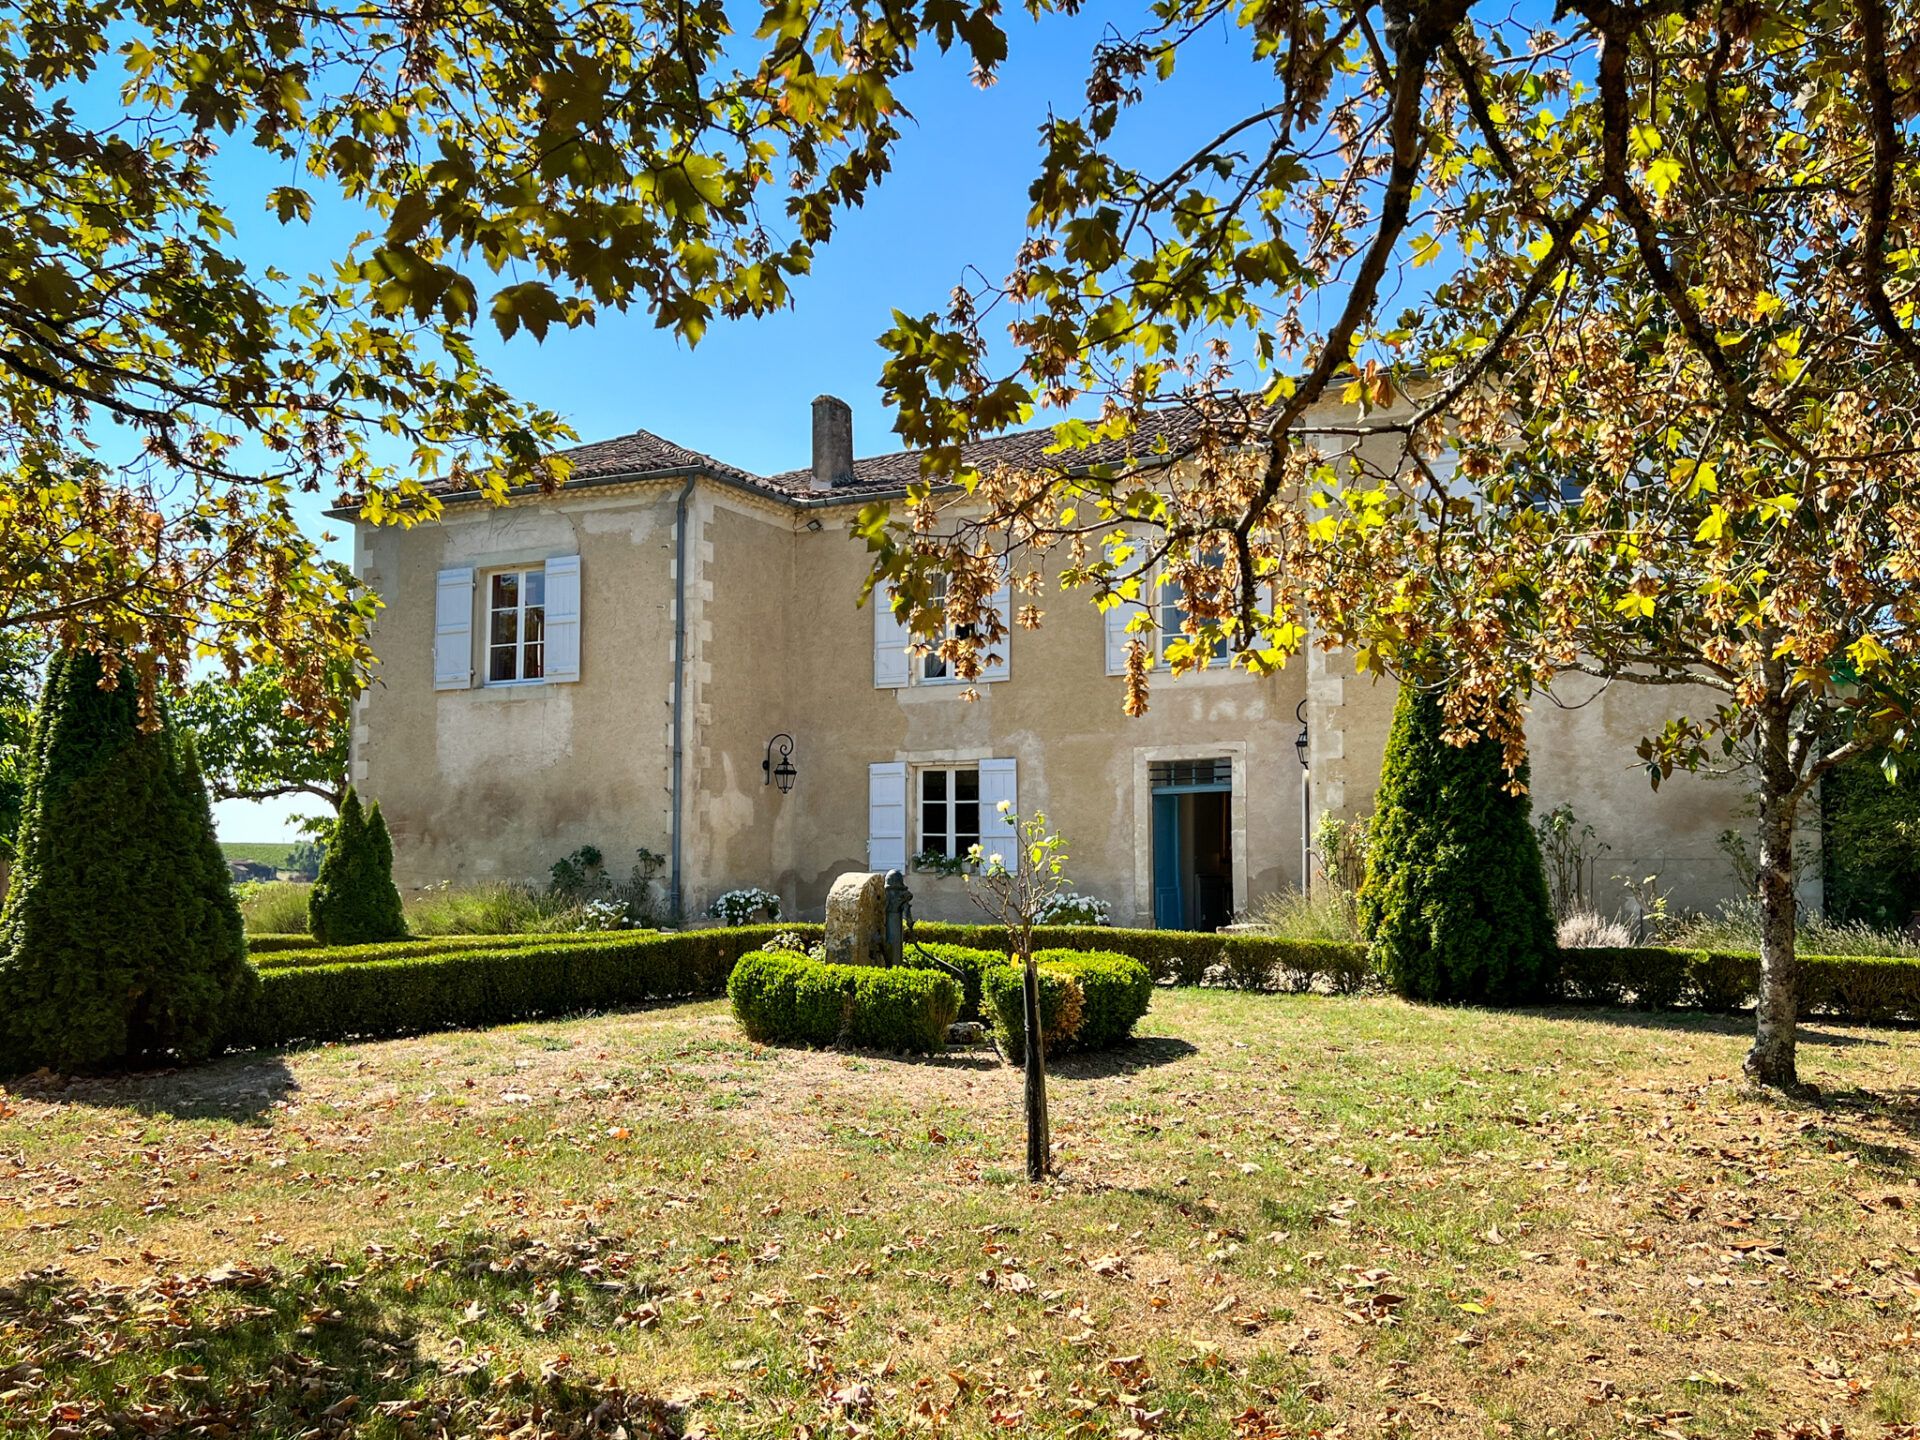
column 1635, row 604
column 1867, row 652
column 1662, row 173
column 1713, row 526
column 1426, row 249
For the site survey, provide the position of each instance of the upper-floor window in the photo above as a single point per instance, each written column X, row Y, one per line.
column 933, row 666
column 516, row 625
column 1172, row 602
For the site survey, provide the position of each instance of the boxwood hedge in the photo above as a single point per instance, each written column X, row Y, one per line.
column 453, row 981
column 311, row 954
column 489, row 984
column 781, row 997
column 1089, row 1000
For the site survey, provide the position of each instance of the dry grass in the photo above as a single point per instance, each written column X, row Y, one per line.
column 1275, row 1216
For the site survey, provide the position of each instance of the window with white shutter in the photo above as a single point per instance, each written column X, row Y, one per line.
column 453, row 630
column 563, row 619
column 894, row 664
column 887, row 816
column 999, row 787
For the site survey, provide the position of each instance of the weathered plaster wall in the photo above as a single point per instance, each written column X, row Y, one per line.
column 492, row 783
column 496, row 783
column 1582, row 747
column 1080, row 759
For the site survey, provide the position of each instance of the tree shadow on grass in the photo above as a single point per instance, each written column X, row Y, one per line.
column 240, row 1088
column 246, row 1350
column 1143, row 1052
column 1706, row 1022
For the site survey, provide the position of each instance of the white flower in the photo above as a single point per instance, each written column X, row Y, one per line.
column 994, row 859
column 1005, row 807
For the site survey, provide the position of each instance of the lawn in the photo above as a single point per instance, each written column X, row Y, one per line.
column 1274, row 1217
column 260, row 852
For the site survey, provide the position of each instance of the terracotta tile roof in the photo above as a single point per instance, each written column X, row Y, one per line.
column 641, row 452
column 1159, row 436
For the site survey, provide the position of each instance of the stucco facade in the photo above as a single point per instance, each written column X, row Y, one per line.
column 762, row 635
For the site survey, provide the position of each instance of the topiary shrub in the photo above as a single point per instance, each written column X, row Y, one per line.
column 779, row 996
column 354, row 900
column 1455, row 904
column 121, row 940
column 1089, row 1000
column 969, row 962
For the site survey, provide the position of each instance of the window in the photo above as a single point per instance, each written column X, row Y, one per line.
column 1173, row 614
column 516, row 625
column 949, row 811
column 934, row 668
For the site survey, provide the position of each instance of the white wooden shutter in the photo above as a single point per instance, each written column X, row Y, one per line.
column 891, row 663
column 1003, row 667
column 999, row 780
column 887, row 816
column 453, row 630
column 1118, row 637
column 563, row 619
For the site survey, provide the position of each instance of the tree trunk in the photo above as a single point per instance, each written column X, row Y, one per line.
column 1771, row 1061
column 1038, row 1140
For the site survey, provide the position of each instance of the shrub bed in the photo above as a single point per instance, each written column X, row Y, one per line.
column 488, row 985
column 970, row 962
column 1089, row 1000
column 781, row 997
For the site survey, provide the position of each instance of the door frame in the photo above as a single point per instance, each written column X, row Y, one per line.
column 1233, row 751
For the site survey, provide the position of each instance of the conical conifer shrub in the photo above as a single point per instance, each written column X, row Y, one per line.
column 121, row 940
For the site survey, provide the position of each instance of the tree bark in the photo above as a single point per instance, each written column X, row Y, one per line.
column 1771, row 1061
column 1038, row 1140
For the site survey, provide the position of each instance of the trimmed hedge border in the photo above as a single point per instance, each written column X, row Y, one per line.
column 500, row 979
column 780, row 997
column 272, row 940
column 311, row 954
column 1848, row 987
column 489, row 986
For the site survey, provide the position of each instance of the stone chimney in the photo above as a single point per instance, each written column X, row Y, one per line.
column 832, row 442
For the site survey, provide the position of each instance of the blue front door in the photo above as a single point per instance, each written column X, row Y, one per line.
column 1169, row 905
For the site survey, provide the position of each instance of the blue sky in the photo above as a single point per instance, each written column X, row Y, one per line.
column 957, row 197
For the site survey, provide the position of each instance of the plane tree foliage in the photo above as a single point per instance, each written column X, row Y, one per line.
column 167, row 390
column 1547, row 345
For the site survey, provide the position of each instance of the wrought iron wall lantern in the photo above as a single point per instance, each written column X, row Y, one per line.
column 1300, row 740
column 780, row 772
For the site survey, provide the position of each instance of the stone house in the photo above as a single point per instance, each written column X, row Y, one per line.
column 615, row 664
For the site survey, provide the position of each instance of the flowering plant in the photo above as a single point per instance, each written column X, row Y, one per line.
column 742, row 907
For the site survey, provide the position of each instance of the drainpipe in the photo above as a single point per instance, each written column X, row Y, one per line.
column 679, row 684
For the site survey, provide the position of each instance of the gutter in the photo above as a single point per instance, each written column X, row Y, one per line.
column 679, row 685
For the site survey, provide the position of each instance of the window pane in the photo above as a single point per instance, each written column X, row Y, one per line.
column 502, row 628
column 534, row 627
column 536, row 588
column 933, row 784
column 506, row 591
column 500, row 663
column 933, row 667
column 966, row 823
column 535, row 665
column 933, row 828
column 966, row 784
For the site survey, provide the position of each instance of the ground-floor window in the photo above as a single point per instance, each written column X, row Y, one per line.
column 949, row 810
